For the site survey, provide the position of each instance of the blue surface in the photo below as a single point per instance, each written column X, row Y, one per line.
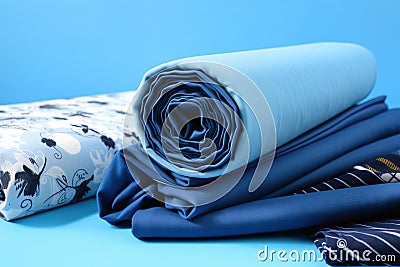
column 51, row 49
column 74, row 236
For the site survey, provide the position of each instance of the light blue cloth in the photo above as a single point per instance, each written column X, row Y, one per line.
column 280, row 93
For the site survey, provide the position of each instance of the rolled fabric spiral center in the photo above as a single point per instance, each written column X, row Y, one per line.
column 190, row 123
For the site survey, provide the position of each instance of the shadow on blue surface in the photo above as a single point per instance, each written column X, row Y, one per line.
column 61, row 216
column 72, row 213
column 303, row 235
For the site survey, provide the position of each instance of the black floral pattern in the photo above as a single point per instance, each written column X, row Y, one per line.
column 81, row 114
column 49, row 106
column 51, row 143
column 28, row 181
column 84, row 128
column 132, row 135
column 79, row 185
column 108, row 141
column 60, row 118
column 97, row 102
column 82, row 189
column 4, row 181
column 26, row 204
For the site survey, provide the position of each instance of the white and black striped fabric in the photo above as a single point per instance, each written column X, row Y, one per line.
column 369, row 243
column 366, row 243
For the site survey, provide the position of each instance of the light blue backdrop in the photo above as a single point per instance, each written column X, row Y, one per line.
column 51, row 49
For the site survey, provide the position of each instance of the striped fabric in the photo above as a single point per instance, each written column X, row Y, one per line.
column 381, row 170
column 367, row 243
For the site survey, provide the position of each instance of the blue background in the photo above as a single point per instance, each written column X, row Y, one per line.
column 52, row 49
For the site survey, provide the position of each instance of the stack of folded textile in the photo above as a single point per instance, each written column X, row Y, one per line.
column 227, row 144
column 221, row 145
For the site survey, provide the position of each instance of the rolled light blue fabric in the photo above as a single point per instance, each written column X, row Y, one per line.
column 309, row 91
column 299, row 87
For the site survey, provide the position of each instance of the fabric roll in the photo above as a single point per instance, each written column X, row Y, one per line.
column 55, row 152
column 246, row 131
column 196, row 115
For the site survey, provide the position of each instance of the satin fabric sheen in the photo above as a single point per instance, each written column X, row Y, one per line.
column 271, row 207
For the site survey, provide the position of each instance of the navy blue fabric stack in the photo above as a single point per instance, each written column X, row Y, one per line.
column 273, row 207
column 312, row 179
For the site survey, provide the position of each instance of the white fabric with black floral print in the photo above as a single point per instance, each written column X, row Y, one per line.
column 55, row 152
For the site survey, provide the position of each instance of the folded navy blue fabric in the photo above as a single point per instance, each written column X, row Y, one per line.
column 363, row 193
column 366, row 243
column 309, row 169
column 272, row 207
column 271, row 215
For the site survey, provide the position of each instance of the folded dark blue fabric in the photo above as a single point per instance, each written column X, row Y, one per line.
column 272, row 207
column 271, row 215
column 363, row 243
column 363, row 193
